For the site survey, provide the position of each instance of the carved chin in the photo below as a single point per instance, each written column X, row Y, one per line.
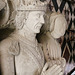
column 37, row 31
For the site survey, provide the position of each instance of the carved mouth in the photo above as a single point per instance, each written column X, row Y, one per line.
column 38, row 27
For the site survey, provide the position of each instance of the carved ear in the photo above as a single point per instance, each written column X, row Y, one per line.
column 14, row 49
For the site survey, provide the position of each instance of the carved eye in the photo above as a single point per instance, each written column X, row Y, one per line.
column 38, row 15
column 44, row 15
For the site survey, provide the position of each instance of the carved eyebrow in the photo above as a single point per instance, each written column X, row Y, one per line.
column 38, row 14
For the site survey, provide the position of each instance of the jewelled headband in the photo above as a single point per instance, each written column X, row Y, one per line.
column 32, row 5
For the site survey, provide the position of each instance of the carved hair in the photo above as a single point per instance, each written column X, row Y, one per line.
column 20, row 19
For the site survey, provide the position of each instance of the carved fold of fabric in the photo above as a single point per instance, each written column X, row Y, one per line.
column 2, row 4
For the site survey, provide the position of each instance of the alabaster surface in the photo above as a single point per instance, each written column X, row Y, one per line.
column 21, row 54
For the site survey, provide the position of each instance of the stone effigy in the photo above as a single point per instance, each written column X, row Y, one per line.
column 21, row 54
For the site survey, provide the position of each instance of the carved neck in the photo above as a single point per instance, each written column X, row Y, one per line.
column 25, row 32
column 49, row 35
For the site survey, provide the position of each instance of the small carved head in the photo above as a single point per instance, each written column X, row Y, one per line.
column 58, row 25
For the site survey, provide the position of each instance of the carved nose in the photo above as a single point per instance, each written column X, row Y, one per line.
column 42, row 20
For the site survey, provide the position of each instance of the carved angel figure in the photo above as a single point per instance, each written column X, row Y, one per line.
column 21, row 54
column 51, row 31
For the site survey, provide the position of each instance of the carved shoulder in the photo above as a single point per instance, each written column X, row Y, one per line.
column 10, row 45
column 5, row 44
column 7, row 59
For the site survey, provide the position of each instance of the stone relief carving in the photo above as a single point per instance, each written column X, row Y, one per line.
column 21, row 54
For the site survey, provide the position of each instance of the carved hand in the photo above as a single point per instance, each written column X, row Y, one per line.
column 54, row 70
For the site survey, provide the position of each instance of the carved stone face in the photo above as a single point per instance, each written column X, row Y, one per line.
column 35, row 20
